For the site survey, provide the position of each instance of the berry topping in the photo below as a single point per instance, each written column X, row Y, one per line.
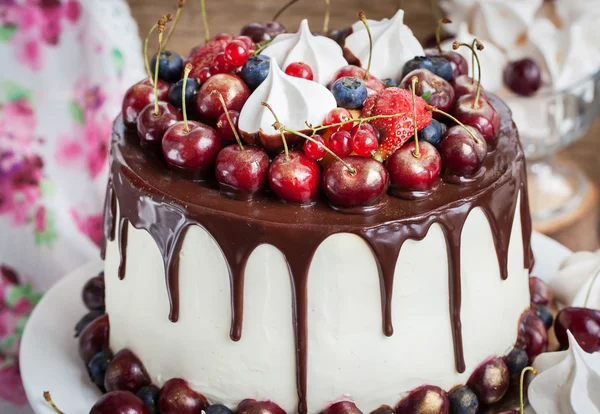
column 97, row 368
column 176, row 397
column 125, row 373
column 176, row 90
column 463, row 401
column 413, row 176
column 540, row 292
column 365, row 140
column 93, row 339
column 140, row 96
column 299, row 70
column 342, row 407
column 442, row 68
column 583, row 323
column 149, row 395
column 241, row 171
column 261, row 32
column 225, row 130
column 523, row 77
column 384, row 409
column 217, row 409
column 341, row 143
column 463, row 151
column 203, row 56
column 258, row 407
column 119, row 402
column 294, row 177
column 204, row 74
column 426, row 398
column 432, row 88
column 93, row 293
column 256, row 70
column 490, row 381
column 234, row 92
column 170, row 66
column 544, row 314
column 533, row 335
column 86, row 320
column 337, row 116
column 482, row 116
column 418, row 62
column 373, row 84
column 349, row 92
column 152, row 123
column 434, row 132
column 516, row 361
column 457, row 62
column 465, row 85
column 315, row 151
column 220, row 65
column 236, row 53
column 248, row 42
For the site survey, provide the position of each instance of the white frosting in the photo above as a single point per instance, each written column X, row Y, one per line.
column 568, row 382
column 294, row 100
column 570, row 11
column 573, row 280
column 322, row 54
column 348, row 355
column 393, row 45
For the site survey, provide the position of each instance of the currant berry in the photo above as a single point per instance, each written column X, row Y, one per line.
column 315, row 151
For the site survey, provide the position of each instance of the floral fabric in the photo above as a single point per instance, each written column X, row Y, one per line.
column 61, row 83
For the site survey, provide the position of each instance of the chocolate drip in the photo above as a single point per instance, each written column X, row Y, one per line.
column 153, row 199
column 110, row 215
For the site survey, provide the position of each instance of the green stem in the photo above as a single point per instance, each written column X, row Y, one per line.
column 363, row 18
column 326, row 20
column 438, row 32
column 283, row 9
column 160, row 38
column 205, row 20
column 280, row 127
column 434, row 109
column 172, row 28
column 186, row 74
column 359, row 120
column 414, row 81
column 48, row 399
column 146, row 60
column 479, row 45
column 521, row 386
column 224, row 106
column 589, row 292
column 262, row 47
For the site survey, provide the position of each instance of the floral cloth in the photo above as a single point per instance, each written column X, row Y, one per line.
column 61, row 83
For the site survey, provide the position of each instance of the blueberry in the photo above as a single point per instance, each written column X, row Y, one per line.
column 433, row 132
column 170, row 66
column 191, row 88
column 149, row 395
column 442, row 68
column 217, row 409
column 463, row 401
column 390, row 83
column 255, row 71
column 516, row 361
column 418, row 62
column 349, row 92
column 97, row 367
column 545, row 315
column 85, row 321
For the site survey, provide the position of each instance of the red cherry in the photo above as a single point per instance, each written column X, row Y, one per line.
column 490, row 381
column 441, row 94
column 336, row 116
column 223, row 37
column 151, row 127
column 365, row 140
column 241, row 172
column 258, row 407
column 533, row 335
column 202, row 74
column 125, row 373
column 299, row 70
column 236, row 53
column 94, row 338
column 224, row 129
column 342, row 407
column 139, row 96
column 191, row 152
column 341, row 143
column 221, row 65
column 233, row 89
column 246, row 40
column 461, row 154
column 541, row 294
column 523, row 76
column 93, row 293
column 315, row 151
column 413, row 176
column 119, row 402
column 295, row 178
column 583, row 323
column 465, row 85
column 458, row 63
column 176, row 397
column 433, row 398
column 484, row 117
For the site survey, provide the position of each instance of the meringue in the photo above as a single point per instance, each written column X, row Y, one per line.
column 393, row 45
column 294, row 100
column 567, row 382
column 322, row 54
column 573, row 275
column 570, row 11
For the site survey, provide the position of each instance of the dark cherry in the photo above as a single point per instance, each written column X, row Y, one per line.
column 139, row 96
column 364, row 188
column 258, row 407
column 373, row 84
column 414, row 176
column 176, row 397
column 217, row 409
column 255, row 31
column 541, row 294
column 435, row 90
column 426, row 398
column 241, row 172
column 93, row 293
column 463, row 400
column 149, row 395
column 457, row 62
column 545, row 314
column 191, row 153
column 119, row 402
column 465, row 85
column 97, row 368
column 152, row 127
column 490, row 381
column 170, row 66
column 340, row 35
column 523, row 77
column 224, row 128
column 384, row 409
column 273, row 28
column 94, row 338
column 516, row 361
column 232, row 88
column 295, row 178
column 533, row 335
column 484, row 117
column 462, row 155
column 342, row 407
column 583, row 323
column 125, row 373
column 86, row 320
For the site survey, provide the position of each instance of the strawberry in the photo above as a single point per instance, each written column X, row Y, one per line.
column 394, row 132
column 202, row 56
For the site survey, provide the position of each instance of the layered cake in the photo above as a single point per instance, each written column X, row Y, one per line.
column 280, row 238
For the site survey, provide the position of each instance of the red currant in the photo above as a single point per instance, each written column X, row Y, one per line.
column 236, row 53
column 220, row 65
column 204, row 74
column 247, row 41
column 315, row 151
column 337, row 115
column 299, row 70
column 223, row 37
column 341, row 143
column 364, row 140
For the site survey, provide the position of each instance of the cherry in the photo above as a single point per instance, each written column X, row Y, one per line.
column 152, row 125
column 86, row 320
column 299, row 70
column 340, row 35
column 119, row 402
column 232, row 88
column 541, row 294
column 435, row 90
column 176, row 397
column 490, row 380
column 223, row 37
column 533, row 336
column 481, row 115
column 414, row 176
column 315, row 151
column 203, row 75
column 247, row 41
column 241, row 171
column 583, row 323
column 457, row 62
column 342, row 407
column 336, row 116
column 224, row 130
column 433, row 398
column 462, row 152
column 341, row 143
column 249, row 406
column 465, row 85
column 355, row 182
column 373, row 84
column 294, row 177
column 221, row 65
column 365, row 140
column 236, row 53
column 384, row 409
column 125, row 373
column 261, row 32
column 93, row 293
column 139, row 96
column 274, row 28
column 523, row 77
column 94, row 338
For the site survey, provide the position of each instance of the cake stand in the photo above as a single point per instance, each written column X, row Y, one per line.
column 50, row 361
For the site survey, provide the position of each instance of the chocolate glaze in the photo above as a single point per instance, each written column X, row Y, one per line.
column 154, row 199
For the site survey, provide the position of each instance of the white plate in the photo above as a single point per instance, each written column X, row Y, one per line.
column 49, row 358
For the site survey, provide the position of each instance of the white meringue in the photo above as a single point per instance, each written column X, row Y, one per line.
column 322, row 54
column 570, row 11
column 294, row 100
column 574, row 276
column 567, row 382
column 393, row 45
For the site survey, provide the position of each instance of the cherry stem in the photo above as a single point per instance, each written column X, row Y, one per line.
column 172, row 29
column 166, row 18
column 414, row 80
column 235, row 133
column 186, row 74
column 262, row 47
column 353, row 120
column 161, row 30
column 439, row 111
column 589, row 292
column 283, row 9
column 363, row 18
column 521, row 385
column 280, row 127
column 205, row 20
column 438, row 32
column 326, row 20
column 478, row 46
column 48, row 399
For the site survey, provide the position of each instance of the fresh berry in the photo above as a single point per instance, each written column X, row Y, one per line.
column 315, row 151
column 86, row 320
column 342, row 407
column 204, row 75
column 119, row 402
column 274, row 28
column 256, row 70
column 583, row 323
column 258, row 407
column 365, row 140
column 434, row 132
column 442, row 68
column 125, row 373
column 299, row 70
column 465, row 85
column 93, row 293
column 223, row 37
column 170, row 66
column 349, row 92
column 541, row 294
column 234, row 92
column 337, row 116
column 533, row 335
column 202, row 57
column 363, row 187
column 482, row 116
column 418, row 62
column 247, row 41
column 261, row 32
column 241, row 172
column 463, row 401
column 151, row 126
column 220, row 65
column 490, row 381
column 341, row 143
column 457, row 62
column 176, row 397
column 224, row 129
column 434, row 398
column 140, row 96
column 217, row 409
column 94, row 339
column 295, row 178
column 462, row 155
column 432, row 88
column 516, row 361
column 191, row 89
column 395, row 131
column 412, row 175
column 97, row 367
column 149, row 395
column 373, row 84
column 523, row 77
column 390, row 83
column 544, row 314
column 236, row 53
